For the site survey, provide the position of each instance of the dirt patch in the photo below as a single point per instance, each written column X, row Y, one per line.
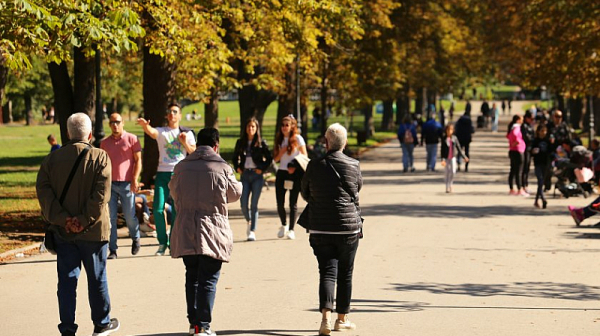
column 20, row 229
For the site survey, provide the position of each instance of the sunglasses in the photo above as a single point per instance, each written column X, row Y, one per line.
column 115, row 122
column 173, row 111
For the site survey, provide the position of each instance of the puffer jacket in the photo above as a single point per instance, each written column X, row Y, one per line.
column 87, row 197
column 202, row 185
column 331, row 208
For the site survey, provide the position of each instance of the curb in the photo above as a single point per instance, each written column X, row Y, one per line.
column 25, row 251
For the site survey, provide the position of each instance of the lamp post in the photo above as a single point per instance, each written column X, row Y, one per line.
column 99, row 127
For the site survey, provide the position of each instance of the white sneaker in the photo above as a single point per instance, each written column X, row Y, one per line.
column 146, row 218
column 325, row 328
column 291, row 234
column 282, row 231
column 339, row 325
column 205, row 332
column 251, row 236
column 248, row 228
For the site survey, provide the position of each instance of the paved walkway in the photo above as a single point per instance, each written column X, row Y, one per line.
column 475, row 262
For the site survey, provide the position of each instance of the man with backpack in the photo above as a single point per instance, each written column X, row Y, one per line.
column 407, row 135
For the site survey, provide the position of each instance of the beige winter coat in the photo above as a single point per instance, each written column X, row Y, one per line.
column 202, row 185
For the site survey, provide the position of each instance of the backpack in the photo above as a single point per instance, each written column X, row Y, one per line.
column 408, row 137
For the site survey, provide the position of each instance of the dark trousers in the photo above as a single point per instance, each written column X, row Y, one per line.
column 69, row 257
column 201, row 276
column 335, row 254
column 588, row 211
column 516, row 167
column 526, row 167
column 540, row 173
column 281, row 177
column 465, row 149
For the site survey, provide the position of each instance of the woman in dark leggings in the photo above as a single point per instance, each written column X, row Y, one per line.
column 515, row 153
column 288, row 144
column 541, row 149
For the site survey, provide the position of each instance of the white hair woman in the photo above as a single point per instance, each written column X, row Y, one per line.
column 331, row 186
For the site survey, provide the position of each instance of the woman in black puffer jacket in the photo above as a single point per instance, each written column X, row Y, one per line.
column 251, row 158
column 330, row 186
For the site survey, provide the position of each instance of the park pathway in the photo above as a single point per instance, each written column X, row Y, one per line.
column 475, row 262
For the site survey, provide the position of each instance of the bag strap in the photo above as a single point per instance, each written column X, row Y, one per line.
column 72, row 174
column 342, row 181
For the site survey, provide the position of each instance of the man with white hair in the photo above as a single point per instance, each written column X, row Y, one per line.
column 79, row 219
column 330, row 186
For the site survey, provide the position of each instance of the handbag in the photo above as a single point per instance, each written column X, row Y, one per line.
column 49, row 243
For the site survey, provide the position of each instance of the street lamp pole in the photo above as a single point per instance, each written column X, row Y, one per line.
column 99, row 127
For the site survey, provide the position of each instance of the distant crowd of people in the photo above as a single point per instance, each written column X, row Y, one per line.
column 455, row 139
column 195, row 184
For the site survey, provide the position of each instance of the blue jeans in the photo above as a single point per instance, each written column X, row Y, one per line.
column 69, row 257
column 431, row 155
column 252, row 182
column 335, row 254
column 122, row 190
column 201, row 277
column 407, row 156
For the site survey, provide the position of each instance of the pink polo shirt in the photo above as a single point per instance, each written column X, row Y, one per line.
column 121, row 155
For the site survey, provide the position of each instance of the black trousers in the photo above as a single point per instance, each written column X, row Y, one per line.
column 526, row 166
column 280, row 191
column 516, row 168
column 335, row 254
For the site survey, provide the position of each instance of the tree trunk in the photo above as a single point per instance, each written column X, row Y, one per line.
column 158, row 91
column 420, row 101
column 324, row 97
column 304, row 116
column 254, row 103
column 63, row 96
column 28, row 109
column 368, row 125
column 387, row 122
column 402, row 104
column 596, row 108
column 287, row 101
column 211, row 110
column 83, row 83
column 576, row 112
column 3, row 80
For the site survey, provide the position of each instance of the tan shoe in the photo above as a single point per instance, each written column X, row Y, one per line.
column 341, row 326
column 325, row 327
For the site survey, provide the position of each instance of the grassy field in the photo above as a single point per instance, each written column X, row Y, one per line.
column 24, row 147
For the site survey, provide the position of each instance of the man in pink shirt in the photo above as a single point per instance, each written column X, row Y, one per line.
column 125, row 154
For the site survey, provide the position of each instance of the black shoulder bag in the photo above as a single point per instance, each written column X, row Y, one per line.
column 49, row 243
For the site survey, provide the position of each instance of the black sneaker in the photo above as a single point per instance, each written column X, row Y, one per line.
column 68, row 333
column 107, row 329
column 135, row 246
column 112, row 255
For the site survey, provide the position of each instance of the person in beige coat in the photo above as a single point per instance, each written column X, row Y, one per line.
column 201, row 186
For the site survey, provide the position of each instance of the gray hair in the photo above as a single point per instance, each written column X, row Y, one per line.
column 79, row 126
column 336, row 136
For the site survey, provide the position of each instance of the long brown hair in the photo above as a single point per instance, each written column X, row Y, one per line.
column 292, row 141
column 257, row 140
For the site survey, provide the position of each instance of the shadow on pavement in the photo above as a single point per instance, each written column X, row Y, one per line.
column 548, row 290
column 446, row 211
column 271, row 332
